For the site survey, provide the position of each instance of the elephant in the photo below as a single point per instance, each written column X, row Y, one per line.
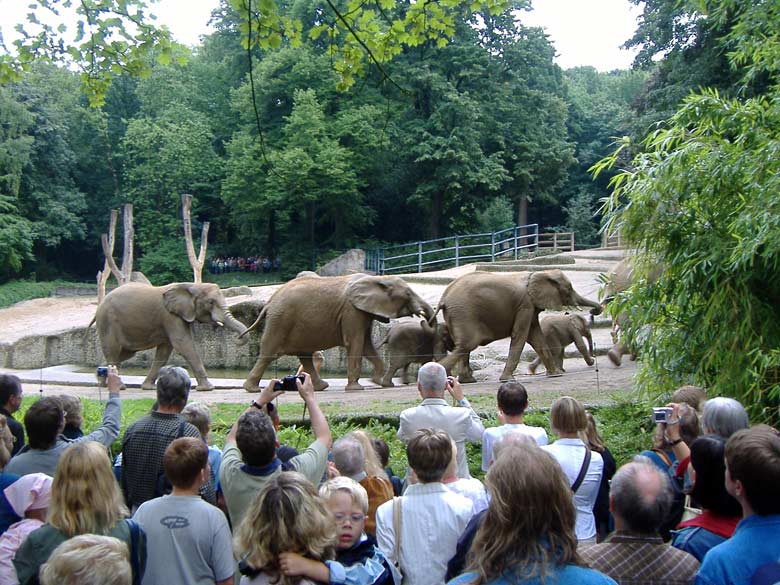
column 410, row 342
column 135, row 317
column 315, row 313
column 481, row 307
column 561, row 330
column 616, row 281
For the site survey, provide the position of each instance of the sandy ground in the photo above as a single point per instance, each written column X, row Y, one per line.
column 54, row 315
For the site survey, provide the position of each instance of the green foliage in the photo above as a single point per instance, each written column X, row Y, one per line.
column 17, row 291
column 702, row 201
column 166, row 262
column 498, row 215
column 110, row 37
column 580, row 213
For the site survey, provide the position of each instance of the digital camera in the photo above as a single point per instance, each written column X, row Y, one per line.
column 102, row 372
column 661, row 414
column 288, row 384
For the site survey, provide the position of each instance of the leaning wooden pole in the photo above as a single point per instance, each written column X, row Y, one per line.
column 198, row 262
column 129, row 236
column 105, row 274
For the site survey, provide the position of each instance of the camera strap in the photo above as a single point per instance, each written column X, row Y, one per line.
column 583, row 470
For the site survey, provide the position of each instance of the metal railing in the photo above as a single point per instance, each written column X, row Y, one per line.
column 451, row 251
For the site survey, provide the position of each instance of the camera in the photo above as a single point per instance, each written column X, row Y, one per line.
column 661, row 414
column 102, row 372
column 288, row 384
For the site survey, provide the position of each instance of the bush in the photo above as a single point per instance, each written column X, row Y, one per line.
column 167, row 262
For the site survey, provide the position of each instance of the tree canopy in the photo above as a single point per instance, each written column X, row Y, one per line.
column 700, row 200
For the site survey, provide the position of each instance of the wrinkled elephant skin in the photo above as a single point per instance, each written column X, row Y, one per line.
column 312, row 313
column 135, row 317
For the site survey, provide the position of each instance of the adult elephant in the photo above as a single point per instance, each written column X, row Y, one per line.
column 313, row 313
column 482, row 307
column 135, row 317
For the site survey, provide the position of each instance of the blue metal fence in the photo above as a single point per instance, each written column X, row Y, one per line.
column 451, row 251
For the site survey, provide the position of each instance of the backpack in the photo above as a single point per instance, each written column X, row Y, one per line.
column 675, row 515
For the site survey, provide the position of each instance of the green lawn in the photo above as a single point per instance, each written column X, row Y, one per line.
column 625, row 426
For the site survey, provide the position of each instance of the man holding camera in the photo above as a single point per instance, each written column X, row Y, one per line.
column 461, row 422
column 249, row 459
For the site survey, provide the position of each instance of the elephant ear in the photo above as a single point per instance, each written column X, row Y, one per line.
column 545, row 290
column 180, row 301
column 373, row 294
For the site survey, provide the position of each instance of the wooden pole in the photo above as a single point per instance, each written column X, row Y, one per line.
column 196, row 262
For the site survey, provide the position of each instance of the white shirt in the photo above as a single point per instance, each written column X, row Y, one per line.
column 491, row 436
column 473, row 489
column 432, row 520
column 462, row 424
column 570, row 454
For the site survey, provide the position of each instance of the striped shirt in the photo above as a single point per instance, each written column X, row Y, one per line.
column 635, row 559
column 432, row 520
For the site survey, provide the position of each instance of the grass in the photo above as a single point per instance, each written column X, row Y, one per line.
column 17, row 291
column 625, row 426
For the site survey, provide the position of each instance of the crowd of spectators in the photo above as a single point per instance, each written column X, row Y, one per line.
column 702, row 506
column 225, row 264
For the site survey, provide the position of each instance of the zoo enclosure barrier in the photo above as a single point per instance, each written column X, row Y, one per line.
column 563, row 241
column 441, row 253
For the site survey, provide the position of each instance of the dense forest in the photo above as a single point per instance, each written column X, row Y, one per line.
column 475, row 135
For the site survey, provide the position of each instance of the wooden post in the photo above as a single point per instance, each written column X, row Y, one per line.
column 196, row 262
column 122, row 276
column 105, row 274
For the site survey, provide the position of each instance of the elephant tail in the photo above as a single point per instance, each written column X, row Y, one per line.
column 88, row 327
column 256, row 324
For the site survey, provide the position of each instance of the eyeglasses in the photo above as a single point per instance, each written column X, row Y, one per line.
column 353, row 518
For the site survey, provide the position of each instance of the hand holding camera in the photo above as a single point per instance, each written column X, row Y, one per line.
column 109, row 376
column 454, row 388
column 288, row 383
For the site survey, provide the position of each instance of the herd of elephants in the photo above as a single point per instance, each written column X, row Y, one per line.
column 312, row 313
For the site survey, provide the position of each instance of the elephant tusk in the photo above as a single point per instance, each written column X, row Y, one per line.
column 220, row 323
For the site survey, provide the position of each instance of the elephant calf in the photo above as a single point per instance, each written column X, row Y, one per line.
column 561, row 330
column 410, row 342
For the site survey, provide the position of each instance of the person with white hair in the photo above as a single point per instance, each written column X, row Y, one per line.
column 460, row 422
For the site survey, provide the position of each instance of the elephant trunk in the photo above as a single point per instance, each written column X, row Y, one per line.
column 596, row 308
column 427, row 310
column 233, row 324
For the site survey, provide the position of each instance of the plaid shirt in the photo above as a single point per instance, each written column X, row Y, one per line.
column 635, row 559
column 143, row 448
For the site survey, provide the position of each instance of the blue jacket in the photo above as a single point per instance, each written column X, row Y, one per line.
column 755, row 542
column 565, row 575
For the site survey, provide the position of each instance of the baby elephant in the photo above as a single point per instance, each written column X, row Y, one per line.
column 561, row 330
column 411, row 342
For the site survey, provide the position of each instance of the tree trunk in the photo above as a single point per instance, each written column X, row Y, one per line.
column 129, row 235
column 196, row 262
column 436, row 210
column 522, row 210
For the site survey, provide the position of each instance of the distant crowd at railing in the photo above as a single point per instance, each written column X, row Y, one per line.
column 222, row 265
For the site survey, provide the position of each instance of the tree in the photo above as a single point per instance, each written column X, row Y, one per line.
column 111, row 37
column 701, row 200
column 165, row 157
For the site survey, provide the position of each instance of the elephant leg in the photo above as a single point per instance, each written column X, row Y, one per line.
column 583, row 349
column 519, row 337
column 186, row 347
column 405, row 374
column 373, row 356
column 533, row 365
column 387, row 381
column 354, row 360
column 543, row 349
column 308, row 366
column 161, row 355
column 617, row 352
column 252, row 382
